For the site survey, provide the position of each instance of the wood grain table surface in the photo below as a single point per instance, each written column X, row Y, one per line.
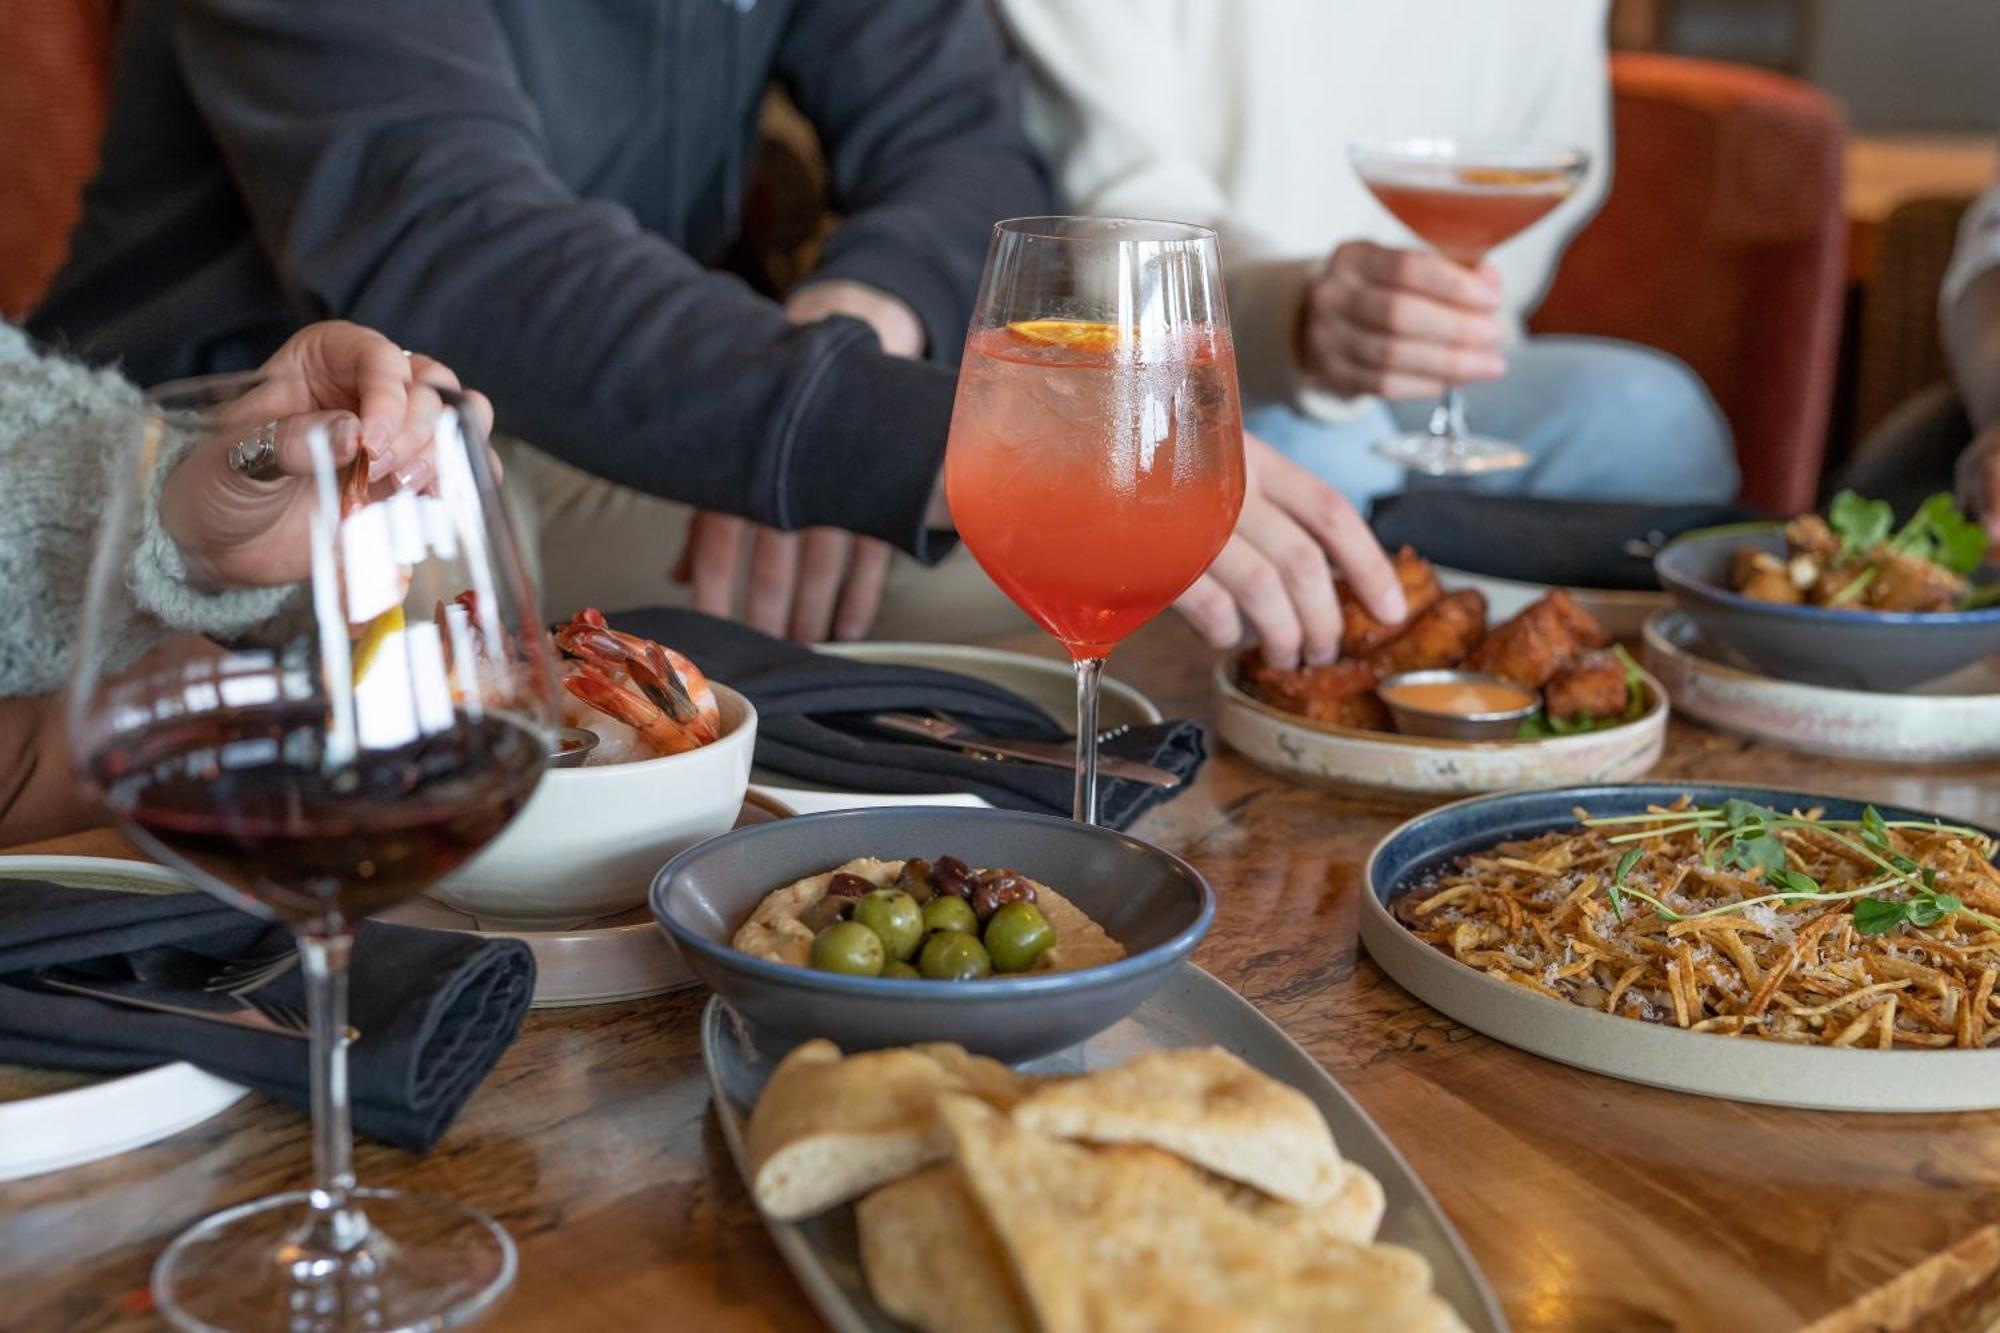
column 1591, row 1204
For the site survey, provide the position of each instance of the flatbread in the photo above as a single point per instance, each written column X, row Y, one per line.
column 1206, row 1106
column 931, row 1260
column 1132, row 1239
column 828, row 1129
column 1352, row 1213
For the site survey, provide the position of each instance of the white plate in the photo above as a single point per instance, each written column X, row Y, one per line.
column 1385, row 762
column 1622, row 611
column 51, row 1120
column 625, row 956
column 1952, row 720
column 1192, row 1009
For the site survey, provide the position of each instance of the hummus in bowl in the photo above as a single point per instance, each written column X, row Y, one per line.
column 778, row 929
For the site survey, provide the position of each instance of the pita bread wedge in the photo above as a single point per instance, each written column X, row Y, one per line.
column 828, row 1129
column 1132, row 1239
column 1352, row 1213
column 931, row 1260
column 1206, row 1106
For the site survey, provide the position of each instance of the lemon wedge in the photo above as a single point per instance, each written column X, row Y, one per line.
column 1081, row 335
column 373, row 637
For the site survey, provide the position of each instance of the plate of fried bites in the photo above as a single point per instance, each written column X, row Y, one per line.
column 1599, row 716
column 1121, row 1184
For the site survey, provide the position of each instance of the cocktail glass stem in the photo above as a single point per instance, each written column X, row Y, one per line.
column 1089, row 671
column 338, row 1225
column 1448, row 422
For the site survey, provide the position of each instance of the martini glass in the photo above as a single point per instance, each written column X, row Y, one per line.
column 1463, row 199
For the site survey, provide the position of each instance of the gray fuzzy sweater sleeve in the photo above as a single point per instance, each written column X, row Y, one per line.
column 65, row 431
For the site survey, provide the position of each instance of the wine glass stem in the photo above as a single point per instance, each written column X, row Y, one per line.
column 1448, row 422
column 1089, row 671
column 338, row 1225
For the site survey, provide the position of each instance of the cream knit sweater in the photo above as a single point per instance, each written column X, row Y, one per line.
column 1237, row 113
column 64, row 432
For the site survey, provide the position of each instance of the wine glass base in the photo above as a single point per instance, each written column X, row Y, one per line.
column 1467, row 456
column 428, row 1263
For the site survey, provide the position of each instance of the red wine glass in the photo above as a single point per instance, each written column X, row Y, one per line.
column 378, row 711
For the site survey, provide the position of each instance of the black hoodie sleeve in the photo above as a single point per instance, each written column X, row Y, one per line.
column 919, row 107
column 395, row 173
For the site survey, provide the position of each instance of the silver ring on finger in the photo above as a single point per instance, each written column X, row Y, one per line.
column 256, row 454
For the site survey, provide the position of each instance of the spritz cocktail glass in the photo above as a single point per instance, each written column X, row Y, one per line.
column 1463, row 199
column 1095, row 467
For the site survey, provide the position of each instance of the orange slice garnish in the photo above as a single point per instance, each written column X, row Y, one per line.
column 1082, row 335
column 1508, row 176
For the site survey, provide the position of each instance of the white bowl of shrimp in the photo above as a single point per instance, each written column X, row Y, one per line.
column 670, row 768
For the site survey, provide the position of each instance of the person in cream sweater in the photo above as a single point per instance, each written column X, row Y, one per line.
column 1238, row 113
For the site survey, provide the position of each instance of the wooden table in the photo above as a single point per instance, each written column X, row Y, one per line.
column 1590, row 1203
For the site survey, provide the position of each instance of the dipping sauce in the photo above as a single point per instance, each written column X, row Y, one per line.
column 1459, row 698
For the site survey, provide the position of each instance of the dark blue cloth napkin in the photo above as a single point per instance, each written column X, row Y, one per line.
column 435, row 1009
column 813, row 711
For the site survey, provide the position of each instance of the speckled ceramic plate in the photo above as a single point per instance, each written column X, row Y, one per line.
column 1952, row 720
column 50, row 1119
column 1192, row 1009
column 602, row 961
column 1737, row 1068
column 1382, row 763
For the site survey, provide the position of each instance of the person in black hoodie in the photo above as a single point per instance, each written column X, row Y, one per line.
column 546, row 195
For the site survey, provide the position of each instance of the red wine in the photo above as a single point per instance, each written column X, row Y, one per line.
column 243, row 795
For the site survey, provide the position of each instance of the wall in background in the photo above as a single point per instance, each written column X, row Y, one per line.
column 1909, row 64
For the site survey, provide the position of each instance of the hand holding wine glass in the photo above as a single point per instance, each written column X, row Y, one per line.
column 376, row 733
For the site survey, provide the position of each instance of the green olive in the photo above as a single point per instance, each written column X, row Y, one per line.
column 945, row 912
column 895, row 916
column 1017, row 936
column 901, row 972
column 848, row 947
column 954, row 955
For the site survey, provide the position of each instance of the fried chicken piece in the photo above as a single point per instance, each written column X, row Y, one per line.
column 1809, row 535
column 1539, row 642
column 1593, row 685
column 1440, row 637
column 1907, row 583
column 1342, row 693
column 1360, row 632
column 1762, row 576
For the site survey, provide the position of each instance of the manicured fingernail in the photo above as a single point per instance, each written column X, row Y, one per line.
column 417, row 475
column 381, row 463
column 1397, row 606
column 1322, row 656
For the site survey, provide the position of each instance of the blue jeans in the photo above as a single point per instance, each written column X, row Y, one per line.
column 1600, row 419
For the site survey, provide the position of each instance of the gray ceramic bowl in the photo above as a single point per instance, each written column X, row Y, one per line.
column 1152, row 902
column 1865, row 650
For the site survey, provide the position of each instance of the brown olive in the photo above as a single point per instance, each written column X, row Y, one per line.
column 845, row 885
column 915, row 879
column 993, row 894
column 953, row 876
column 825, row 912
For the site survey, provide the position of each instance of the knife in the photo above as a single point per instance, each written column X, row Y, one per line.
column 245, row 1017
column 945, row 731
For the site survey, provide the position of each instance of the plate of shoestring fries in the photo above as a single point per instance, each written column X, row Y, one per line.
column 1742, row 942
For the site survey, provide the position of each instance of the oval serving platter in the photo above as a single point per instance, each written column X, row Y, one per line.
column 1735, row 1068
column 1379, row 762
column 1193, row 1009
column 1955, row 719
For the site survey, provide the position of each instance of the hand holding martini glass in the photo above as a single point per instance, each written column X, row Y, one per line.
column 1464, row 199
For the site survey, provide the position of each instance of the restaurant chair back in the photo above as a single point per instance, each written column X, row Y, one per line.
column 1723, row 242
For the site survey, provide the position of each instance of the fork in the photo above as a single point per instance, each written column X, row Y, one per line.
column 245, row 975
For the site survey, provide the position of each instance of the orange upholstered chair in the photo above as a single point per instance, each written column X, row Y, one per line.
column 53, row 101
column 1723, row 242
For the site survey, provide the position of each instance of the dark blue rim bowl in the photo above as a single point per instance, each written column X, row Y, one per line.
column 1437, row 837
column 1674, row 580
column 1175, row 947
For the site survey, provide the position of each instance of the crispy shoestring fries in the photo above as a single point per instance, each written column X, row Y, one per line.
column 1739, row 920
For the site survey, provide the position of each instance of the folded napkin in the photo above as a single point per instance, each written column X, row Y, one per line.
column 813, row 709
column 435, row 1009
column 1572, row 543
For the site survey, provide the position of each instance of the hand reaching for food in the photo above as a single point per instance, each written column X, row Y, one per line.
column 1277, row 572
column 240, row 527
column 1978, row 480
